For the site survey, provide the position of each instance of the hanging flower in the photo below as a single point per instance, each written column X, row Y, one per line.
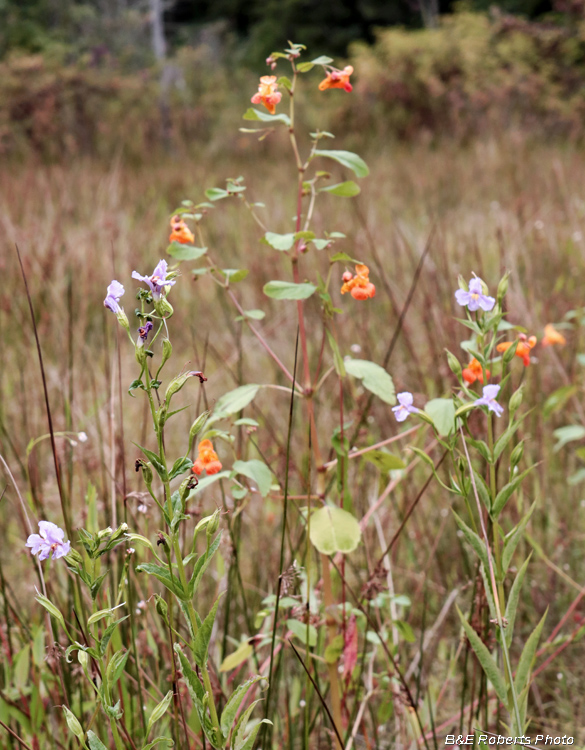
column 267, row 93
column 207, row 459
column 180, row 231
column 404, row 407
column 337, row 79
column 359, row 286
column 49, row 541
column 523, row 347
column 114, row 293
column 473, row 372
column 475, row 298
column 552, row 336
column 158, row 282
column 490, row 394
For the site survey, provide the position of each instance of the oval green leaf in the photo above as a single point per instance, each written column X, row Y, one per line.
column 334, row 530
column 374, row 378
column 288, row 290
column 348, row 159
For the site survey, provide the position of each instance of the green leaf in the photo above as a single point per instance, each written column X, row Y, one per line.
column 334, row 650
column 94, row 742
column 241, row 654
column 344, row 189
column 337, row 359
column 180, row 466
column 485, row 659
column 257, row 114
column 254, row 314
column 216, row 194
column 442, row 412
column 238, row 740
column 322, row 60
column 233, row 275
column 373, row 377
column 236, row 400
column 384, row 461
column 196, row 689
column 108, row 634
column 162, row 574
column 51, row 609
column 348, row 159
column 231, row 707
column 568, row 434
column 201, row 566
column 201, row 643
column 504, row 439
column 185, row 252
column 156, row 461
column 405, row 631
column 482, row 490
column 299, row 630
column 100, row 614
column 513, row 537
column 157, row 741
column 288, row 290
column 116, row 667
column 280, row 241
column 334, row 530
column 159, row 711
column 506, row 493
column 257, row 471
column 513, row 598
column 474, row 541
column 304, row 67
column 522, row 678
column 558, row 399
column 342, row 258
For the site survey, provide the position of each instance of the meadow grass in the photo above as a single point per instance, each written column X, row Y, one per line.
column 509, row 203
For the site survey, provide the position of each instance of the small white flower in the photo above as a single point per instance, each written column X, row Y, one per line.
column 142, row 508
column 82, row 437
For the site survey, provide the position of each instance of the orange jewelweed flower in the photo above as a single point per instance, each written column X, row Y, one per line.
column 207, row 459
column 474, row 372
column 180, row 231
column 523, row 347
column 359, row 286
column 552, row 336
column 337, row 79
column 267, row 93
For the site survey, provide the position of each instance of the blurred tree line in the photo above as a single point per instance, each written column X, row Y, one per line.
column 122, row 29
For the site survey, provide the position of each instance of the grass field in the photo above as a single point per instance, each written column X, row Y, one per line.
column 496, row 205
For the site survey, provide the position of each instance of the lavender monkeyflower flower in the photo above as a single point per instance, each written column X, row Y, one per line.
column 144, row 330
column 405, row 407
column 490, row 393
column 158, row 281
column 115, row 291
column 48, row 540
column 475, row 298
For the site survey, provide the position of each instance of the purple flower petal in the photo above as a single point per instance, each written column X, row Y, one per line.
column 48, row 542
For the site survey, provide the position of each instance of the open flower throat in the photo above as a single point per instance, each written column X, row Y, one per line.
column 359, row 286
column 207, row 460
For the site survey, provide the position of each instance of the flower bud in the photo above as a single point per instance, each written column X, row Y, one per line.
column 516, row 399
column 454, row 364
column 196, row 428
column 74, row 724
column 167, row 350
column 83, row 659
column 123, row 320
column 163, row 307
column 502, row 287
column 162, row 608
column 177, row 383
column 213, row 525
column 146, row 471
column 517, row 454
column 140, row 352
